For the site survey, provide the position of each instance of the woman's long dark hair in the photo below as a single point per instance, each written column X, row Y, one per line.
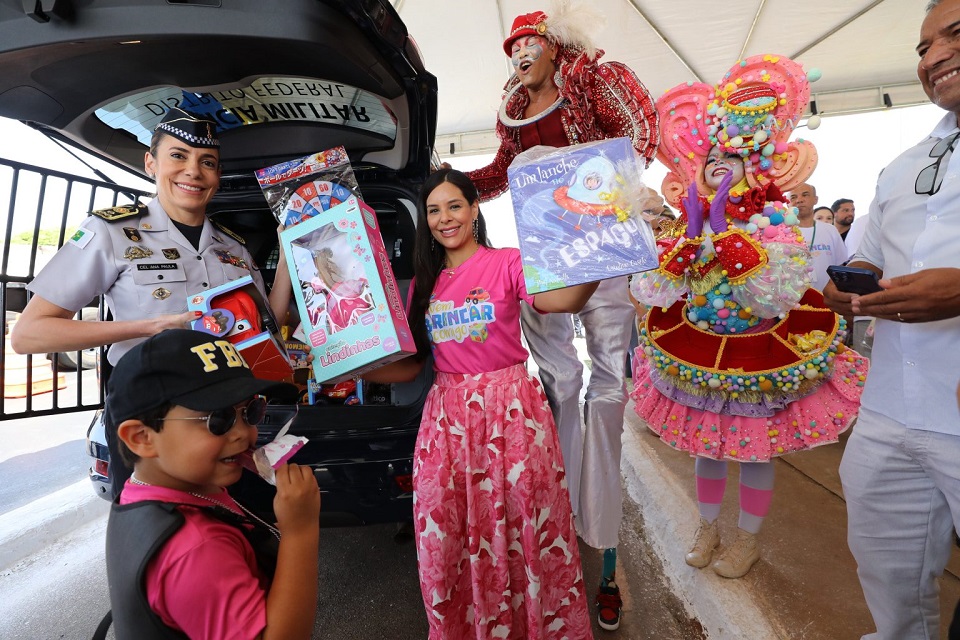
column 429, row 256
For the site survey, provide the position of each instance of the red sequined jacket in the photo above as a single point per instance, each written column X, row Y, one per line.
column 600, row 101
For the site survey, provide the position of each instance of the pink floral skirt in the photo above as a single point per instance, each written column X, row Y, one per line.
column 497, row 550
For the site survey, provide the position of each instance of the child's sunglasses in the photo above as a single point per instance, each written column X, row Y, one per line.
column 220, row 421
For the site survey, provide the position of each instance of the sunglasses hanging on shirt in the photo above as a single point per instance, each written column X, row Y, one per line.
column 931, row 177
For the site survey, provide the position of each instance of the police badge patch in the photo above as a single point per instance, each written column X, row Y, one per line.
column 81, row 238
column 171, row 254
column 132, row 234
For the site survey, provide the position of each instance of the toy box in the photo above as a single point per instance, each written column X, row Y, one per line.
column 578, row 213
column 350, row 308
column 236, row 311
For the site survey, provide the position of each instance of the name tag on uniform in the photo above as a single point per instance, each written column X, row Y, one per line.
column 160, row 266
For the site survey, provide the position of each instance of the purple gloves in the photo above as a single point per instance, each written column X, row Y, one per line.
column 718, row 208
column 694, row 209
column 691, row 204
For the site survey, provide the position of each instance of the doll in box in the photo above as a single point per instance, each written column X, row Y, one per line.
column 738, row 359
column 347, row 298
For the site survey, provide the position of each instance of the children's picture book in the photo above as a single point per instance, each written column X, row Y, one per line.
column 579, row 214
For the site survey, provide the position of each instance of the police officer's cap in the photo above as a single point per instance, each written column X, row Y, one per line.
column 194, row 129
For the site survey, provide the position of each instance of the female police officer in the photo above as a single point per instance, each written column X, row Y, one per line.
column 146, row 259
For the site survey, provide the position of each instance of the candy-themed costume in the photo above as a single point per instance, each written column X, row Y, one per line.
column 739, row 359
column 497, row 551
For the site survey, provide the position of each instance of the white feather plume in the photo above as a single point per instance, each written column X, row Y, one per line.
column 571, row 24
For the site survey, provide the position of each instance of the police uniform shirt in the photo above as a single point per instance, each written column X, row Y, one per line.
column 143, row 265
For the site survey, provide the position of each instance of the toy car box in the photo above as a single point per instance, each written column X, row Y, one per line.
column 576, row 214
column 350, row 308
column 237, row 312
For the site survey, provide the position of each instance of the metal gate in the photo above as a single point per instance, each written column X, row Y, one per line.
column 40, row 213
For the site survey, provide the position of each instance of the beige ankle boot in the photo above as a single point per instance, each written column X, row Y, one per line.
column 737, row 558
column 704, row 544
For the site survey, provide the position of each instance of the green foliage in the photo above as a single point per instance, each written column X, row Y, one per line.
column 46, row 237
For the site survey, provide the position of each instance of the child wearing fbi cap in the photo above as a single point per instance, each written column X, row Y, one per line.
column 183, row 558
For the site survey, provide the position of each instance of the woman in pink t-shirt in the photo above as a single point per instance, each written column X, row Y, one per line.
column 497, row 550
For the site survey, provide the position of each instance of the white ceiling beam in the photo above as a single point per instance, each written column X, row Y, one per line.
column 753, row 25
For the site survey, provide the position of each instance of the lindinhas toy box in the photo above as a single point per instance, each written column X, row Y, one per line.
column 236, row 312
column 574, row 208
column 351, row 312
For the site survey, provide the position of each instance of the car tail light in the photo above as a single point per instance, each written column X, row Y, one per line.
column 102, row 467
column 405, row 483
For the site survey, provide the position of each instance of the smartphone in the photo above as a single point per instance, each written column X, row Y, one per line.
column 854, row 279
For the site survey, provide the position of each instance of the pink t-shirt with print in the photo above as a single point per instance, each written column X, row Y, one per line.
column 474, row 314
column 204, row 581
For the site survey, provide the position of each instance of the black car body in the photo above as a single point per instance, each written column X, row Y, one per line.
column 284, row 80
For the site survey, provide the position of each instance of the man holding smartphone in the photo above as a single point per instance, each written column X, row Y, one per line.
column 900, row 473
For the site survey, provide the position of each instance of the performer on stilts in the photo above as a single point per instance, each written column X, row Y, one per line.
column 562, row 95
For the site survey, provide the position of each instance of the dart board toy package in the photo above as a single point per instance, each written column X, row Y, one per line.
column 299, row 189
column 579, row 213
column 351, row 312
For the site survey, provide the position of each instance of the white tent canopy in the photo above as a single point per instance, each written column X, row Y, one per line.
column 865, row 50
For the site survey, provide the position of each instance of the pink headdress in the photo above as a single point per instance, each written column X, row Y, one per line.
column 752, row 112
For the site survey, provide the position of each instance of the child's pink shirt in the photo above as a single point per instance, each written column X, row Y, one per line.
column 474, row 314
column 204, row 581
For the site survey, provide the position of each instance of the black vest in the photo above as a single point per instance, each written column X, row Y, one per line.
column 135, row 533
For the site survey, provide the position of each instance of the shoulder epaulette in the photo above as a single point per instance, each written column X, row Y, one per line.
column 120, row 212
column 230, row 233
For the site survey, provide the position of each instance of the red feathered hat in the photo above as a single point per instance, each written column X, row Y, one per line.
column 528, row 24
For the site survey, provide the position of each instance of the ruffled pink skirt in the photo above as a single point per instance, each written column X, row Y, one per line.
column 813, row 420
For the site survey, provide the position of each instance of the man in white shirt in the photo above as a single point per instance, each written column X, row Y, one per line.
column 901, row 466
column 824, row 240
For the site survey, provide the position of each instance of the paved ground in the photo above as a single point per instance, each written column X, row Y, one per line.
column 804, row 588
